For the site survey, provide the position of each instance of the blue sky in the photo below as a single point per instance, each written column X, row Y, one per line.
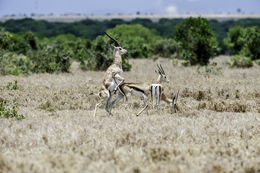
column 101, row 7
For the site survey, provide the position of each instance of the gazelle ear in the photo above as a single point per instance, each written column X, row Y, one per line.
column 156, row 72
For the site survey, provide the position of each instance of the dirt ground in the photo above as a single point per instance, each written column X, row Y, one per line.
column 217, row 127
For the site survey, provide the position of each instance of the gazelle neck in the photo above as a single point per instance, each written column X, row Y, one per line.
column 117, row 58
column 159, row 79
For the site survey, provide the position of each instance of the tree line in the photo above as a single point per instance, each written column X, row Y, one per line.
column 29, row 46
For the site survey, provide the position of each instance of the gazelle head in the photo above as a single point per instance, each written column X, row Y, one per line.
column 162, row 76
column 117, row 47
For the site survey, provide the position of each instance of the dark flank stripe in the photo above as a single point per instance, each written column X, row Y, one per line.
column 121, row 90
column 160, row 91
column 151, row 92
column 137, row 89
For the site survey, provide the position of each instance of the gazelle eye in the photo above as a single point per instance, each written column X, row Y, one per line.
column 120, row 48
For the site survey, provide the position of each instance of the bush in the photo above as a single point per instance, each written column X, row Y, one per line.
column 252, row 43
column 197, row 41
column 9, row 110
column 13, row 43
column 135, row 38
column 235, row 39
column 101, row 55
column 257, row 61
column 53, row 58
column 77, row 46
column 165, row 47
column 12, row 63
column 244, row 41
column 241, row 62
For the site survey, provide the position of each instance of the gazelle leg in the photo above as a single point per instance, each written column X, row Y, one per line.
column 119, row 97
column 97, row 105
column 153, row 96
column 159, row 90
column 145, row 106
column 117, row 76
column 108, row 102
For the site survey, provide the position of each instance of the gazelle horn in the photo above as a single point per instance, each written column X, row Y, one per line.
column 162, row 69
column 159, row 69
column 116, row 42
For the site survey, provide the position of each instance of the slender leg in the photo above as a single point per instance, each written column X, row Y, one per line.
column 95, row 111
column 119, row 97
column 153, row 95
column 117, row 76
column 108, row 102
column 158, row 98
column 145, row 106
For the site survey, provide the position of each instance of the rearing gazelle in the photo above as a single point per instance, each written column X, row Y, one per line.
column 144, row 89
column 113, row 73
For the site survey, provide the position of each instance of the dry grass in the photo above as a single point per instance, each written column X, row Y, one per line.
column 216, row 130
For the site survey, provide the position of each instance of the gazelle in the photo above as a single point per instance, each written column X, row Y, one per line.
column 112, row 74
column 143, row 89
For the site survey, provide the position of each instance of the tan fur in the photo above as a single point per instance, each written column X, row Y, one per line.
column 145, row 88
column 114, row 70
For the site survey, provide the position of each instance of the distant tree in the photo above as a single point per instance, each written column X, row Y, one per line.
column 252, row 42
column 197, row 40
column 244, row 41
column 135, row 38
column 235, row 39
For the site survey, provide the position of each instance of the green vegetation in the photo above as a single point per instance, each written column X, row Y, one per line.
column 245, row 43
column 12, row 85
column 197, row 41
column 29, row 46
column 9, row 110
column 135, row 38
column 241, row 62
column 100, row 55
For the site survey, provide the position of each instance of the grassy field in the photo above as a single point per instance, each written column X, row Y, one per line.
column 217, row 128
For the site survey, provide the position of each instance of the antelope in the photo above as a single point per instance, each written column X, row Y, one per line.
column 112, row 74
column 144, row 89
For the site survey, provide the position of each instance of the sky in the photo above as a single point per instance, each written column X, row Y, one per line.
column 103, row 7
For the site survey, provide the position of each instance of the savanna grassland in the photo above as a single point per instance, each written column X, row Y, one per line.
column 217, row 128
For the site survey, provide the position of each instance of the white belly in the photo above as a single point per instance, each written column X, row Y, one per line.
column 137, row 93
column 112, row 85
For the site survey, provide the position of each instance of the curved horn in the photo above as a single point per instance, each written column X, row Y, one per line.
column 159, row 70
column 116, row 42
column 162, row 69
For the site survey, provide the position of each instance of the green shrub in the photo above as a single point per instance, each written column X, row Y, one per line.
column 12, row 42
column 252, row 43
column 101, row 55
column 12, row 63
column 241, row 62
column 175, row 62
column 235, row 39
column 9, row 110
column 77, row 46
column 165, row 47
column 53, row 58
column 257, row 61
column 12, row 86
column 244, row 41
column 197, row 40
column 135, row 38
column 185, row 63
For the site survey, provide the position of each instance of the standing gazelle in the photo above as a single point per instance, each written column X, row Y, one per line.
column 144, row 89
column 113, row 73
